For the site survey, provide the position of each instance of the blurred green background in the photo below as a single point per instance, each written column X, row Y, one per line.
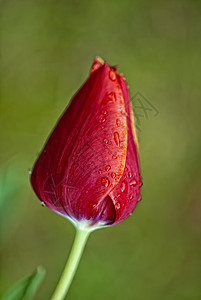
column 47, row 48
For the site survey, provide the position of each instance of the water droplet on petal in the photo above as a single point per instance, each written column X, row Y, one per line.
column 112, row 75
column 105, row 141
column 113, row 175
column 107, row 168
column 116, row 139
column 130, row 196
column 111, row 97
column 129, row 174
column 105, row 181
column 102, row 119
column 114, row 156
column 104, row 112
column 133, row 182
column 124, row 186
column 118, row 205
column 118, row 122
column 42, row 204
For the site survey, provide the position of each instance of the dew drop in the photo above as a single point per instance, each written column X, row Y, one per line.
column 107, row 168
column 113, row 175
column 118, row 205
column 114, row 156
column 130, row 196
column 129, row 174
column 118, row 122
column 104, row 112
column 112, row 75
column 43, row 204
column 133, row 182
column 105, row 181
column 102, row 119
column 105, row 141
column 109, row 98
column 30, row 170
column 116, row 139
column 124, row 186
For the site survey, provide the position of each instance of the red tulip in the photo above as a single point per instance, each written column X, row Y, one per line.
column 89, row 167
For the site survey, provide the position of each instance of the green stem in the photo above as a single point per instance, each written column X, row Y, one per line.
column 71, row 265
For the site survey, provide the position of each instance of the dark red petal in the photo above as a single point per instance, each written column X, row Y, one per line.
column 84, row 158
column 104, row 211
column 127, row 193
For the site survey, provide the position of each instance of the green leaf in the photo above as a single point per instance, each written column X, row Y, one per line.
column 26, row 288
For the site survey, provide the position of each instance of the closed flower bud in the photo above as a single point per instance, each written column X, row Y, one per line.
column 88, row 170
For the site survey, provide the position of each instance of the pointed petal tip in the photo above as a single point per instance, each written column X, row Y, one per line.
column 98, row 62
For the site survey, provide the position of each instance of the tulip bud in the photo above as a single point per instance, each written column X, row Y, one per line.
column 88, row 170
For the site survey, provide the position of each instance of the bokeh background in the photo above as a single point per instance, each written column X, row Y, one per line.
column 47, row 48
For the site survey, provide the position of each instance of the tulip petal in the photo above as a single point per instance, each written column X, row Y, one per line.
column 98, row 62
column 127, row 193
column 85, row 156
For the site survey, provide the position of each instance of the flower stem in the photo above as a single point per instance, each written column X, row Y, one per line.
column 71, row 265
